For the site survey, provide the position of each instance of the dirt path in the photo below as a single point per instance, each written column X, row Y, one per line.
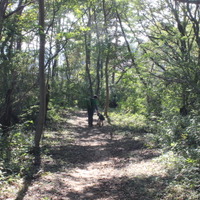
column 85, row 164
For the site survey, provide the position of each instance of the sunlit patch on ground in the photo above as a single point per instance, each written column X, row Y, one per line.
column 84, row 163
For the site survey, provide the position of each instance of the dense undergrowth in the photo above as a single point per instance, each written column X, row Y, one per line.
column 178, row 139
column 17, row 160
column 181, row 136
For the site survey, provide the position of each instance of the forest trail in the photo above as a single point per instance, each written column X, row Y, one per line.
column 86, row 164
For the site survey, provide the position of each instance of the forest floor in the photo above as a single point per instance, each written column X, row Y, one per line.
column 82, row 163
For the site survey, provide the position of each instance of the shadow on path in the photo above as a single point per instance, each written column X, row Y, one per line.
column 122, row 188
column 30, row 177
column 93, row 166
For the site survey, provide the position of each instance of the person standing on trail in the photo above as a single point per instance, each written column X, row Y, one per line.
column 91, row 107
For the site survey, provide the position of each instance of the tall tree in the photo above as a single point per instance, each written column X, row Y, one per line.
column 42, row 95
column 107, row 59
column 99, row 53
column 88, row 52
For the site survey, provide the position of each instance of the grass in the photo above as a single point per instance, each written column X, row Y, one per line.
column 128, row 120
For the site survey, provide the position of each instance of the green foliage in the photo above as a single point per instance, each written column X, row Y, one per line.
column 29, row 117
column 14, row 153
column 181, row 134
column 130, row 94
column 53, row 113
column 135, row 122
column 66, row 94
column 185, row 177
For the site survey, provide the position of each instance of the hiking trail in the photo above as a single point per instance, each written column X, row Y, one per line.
column 87, row 164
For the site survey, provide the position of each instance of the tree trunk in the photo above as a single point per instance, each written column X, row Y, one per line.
column 107, row 86
column 129, row 50
column 99, row 56
column 3, row 6
column 5, row 118
column 88, row 54
column 107, row 61
column 42, row 95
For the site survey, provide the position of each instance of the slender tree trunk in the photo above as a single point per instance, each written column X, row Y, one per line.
column 19, row 39
column 42, row 95
column 88, row 54
column 55, row 60
column 99, row 56
column 3, row 6
column 107, row 61
column 107, row 86
column 5, row 118
column 129, row 50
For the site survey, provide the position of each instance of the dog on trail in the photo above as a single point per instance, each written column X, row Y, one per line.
column 100, row 119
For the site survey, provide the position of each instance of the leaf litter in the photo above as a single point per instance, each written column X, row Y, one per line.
column 86, row 164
